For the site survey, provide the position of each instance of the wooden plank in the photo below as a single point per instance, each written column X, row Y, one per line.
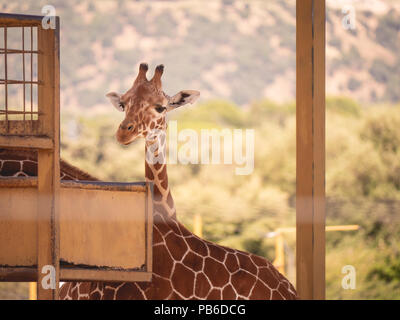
column 31, row 142
column 104, row 186
column 103, row 228
column 18, row 274
column 31, row 182
column 19, row 127
column 98, row 228
column 80, row 274
column 18, row 182
column 28, row 274
column 18, row 226
column 310, row 148
column 48, row 246
column 16, row 20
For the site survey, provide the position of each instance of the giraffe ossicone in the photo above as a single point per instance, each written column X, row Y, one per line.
column 184, row 265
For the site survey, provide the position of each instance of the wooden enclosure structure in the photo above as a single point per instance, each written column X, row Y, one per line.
column 45, row 234
column 83, row 230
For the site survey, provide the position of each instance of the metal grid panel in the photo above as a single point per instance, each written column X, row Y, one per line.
column 19, row 79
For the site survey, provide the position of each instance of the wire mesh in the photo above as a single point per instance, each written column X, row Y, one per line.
column 19, row 80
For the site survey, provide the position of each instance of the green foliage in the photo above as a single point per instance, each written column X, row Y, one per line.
column 343, row 105
column 362, row 183
column 388, row 271
column 219, row 113
column 267, row 109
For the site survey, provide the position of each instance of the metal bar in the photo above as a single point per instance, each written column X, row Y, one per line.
column 5, row 76
column 23, row 67
column 18, row 112
column 9, row 51
column 31, row 76
column 11, row 81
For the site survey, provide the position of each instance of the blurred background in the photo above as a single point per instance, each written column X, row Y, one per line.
column 241, row 56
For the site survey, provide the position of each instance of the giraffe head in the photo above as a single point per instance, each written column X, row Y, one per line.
column 145, row 105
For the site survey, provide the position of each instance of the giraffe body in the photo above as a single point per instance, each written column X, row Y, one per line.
column 187, row 267
column 184, row 265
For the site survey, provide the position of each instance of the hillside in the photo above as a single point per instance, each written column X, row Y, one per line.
column 236, row 50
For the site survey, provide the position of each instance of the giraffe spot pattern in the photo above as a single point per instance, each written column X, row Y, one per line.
column 179, row 246
column 202, row 286
column 193, row 261
column 216, row 272
column 183, row 280
column 205, row 270
column 215, row 294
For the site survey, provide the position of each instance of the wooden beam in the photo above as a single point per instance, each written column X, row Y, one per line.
column 48, row 242
column 13, row 20
column 32, row 182
column 98, row 274
column 35, row 142
column 74, row 273
column 105, row 186
column 310, row 148
column 18, row 274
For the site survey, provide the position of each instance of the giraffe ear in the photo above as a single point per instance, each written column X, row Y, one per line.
column 115, row 99
column 181, row 98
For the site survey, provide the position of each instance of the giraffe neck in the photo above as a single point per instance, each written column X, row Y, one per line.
column 156, row 172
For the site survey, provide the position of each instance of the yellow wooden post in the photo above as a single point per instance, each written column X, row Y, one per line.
column 198, row 225
column 32, row 291
column 279, row 261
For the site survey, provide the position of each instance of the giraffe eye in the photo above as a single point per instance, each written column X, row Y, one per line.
column 160, row 108
column 130, row 128
column 122, row 106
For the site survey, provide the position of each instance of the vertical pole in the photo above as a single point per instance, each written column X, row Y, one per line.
column 279, row 261
column 6, row 78
column 48, row 164
column 310, row 148
column 198, row 225
column 32, row 291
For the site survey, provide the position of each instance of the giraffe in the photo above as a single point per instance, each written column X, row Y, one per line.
column 184, row 265
column 23, row 163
